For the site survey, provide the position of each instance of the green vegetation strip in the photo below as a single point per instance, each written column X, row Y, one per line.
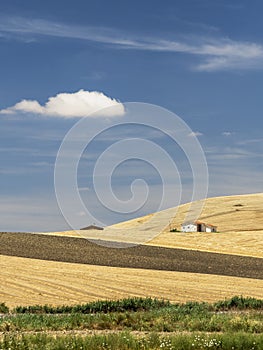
column 104, row 306
column 124, row 341
column 138, row 304
column 137, row 314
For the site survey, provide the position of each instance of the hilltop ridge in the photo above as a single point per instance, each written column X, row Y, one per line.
column 239, row 220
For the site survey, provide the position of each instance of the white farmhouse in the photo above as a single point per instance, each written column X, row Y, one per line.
column 197, row 226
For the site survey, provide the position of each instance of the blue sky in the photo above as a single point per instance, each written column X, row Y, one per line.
column 202, row 60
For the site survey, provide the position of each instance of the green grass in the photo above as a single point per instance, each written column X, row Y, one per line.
column 230, row 324
column 163, row 320
column 236, row 314
column 124, row 341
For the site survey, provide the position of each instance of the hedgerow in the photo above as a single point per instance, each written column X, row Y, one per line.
column 104, row 306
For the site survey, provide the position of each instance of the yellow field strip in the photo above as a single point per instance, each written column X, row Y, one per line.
column 235, row 243
column 29, row 281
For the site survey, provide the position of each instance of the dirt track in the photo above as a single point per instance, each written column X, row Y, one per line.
column 77, row 250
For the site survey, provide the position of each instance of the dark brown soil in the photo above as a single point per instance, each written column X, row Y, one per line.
column 78, row 250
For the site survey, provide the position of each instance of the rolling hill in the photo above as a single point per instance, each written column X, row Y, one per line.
column 239, row 220
column 61, row 267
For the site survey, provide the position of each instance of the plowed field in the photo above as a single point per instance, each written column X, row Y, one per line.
column 77, row 250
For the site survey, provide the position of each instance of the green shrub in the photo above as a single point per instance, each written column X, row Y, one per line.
column 239, row 302
column 104, row 306
column 3, row 308
column 174, row 230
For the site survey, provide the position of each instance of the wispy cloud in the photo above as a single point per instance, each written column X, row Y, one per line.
column 69, row 105
column 213, row 54
column 30, row 213
column 230, row 153
column 251, row 141
column 195, row 134
column 228, row 133
column 229, row 180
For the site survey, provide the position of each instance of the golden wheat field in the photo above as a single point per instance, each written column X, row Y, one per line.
column 29, row 281
column 239, row 220
column 240, row 225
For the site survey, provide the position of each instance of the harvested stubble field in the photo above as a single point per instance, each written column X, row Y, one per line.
column 29, row 281
column 82, row 251
column 190, row 267
column 239, row 220
column 83, row 271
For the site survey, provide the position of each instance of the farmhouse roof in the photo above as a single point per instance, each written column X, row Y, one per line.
column 92, row 227
column 210, row 225
column 197, row 222
column 193, row 223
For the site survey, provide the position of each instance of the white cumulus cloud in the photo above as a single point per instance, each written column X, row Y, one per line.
column 71, row 105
